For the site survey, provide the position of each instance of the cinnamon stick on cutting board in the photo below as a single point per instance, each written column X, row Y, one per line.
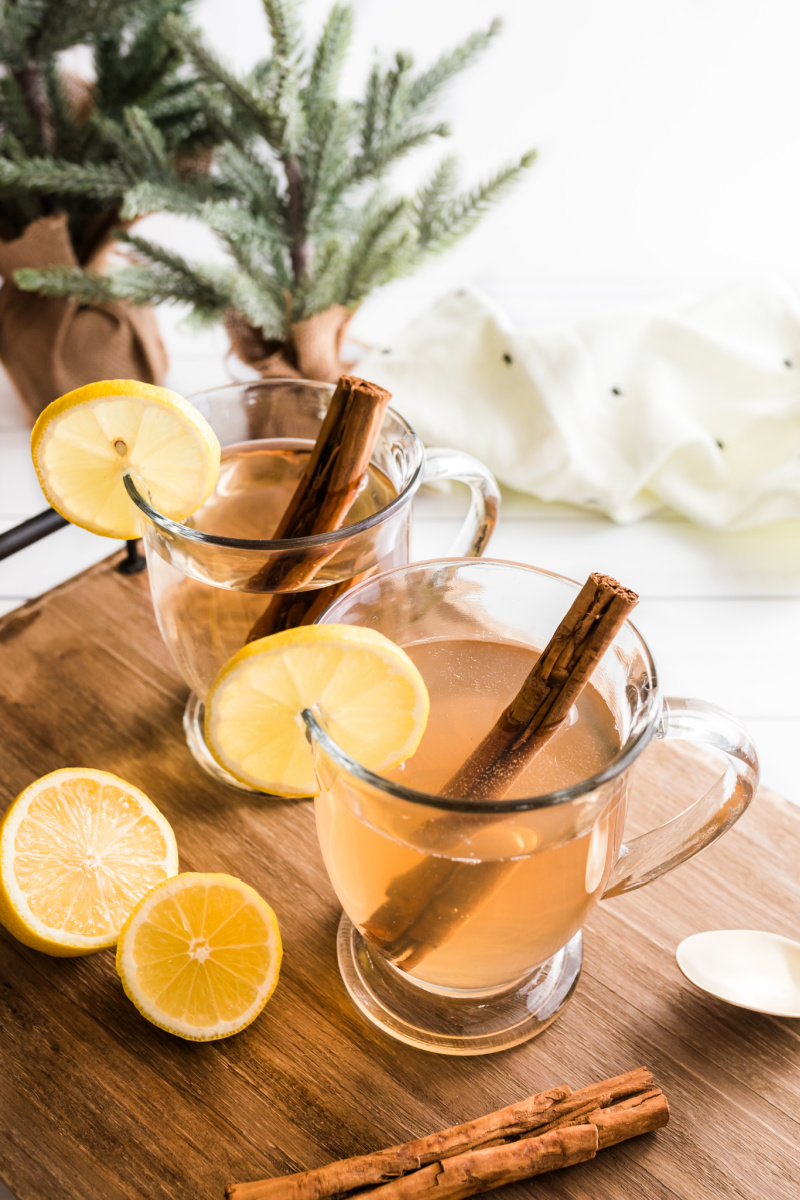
column 550, row 1130
column 427, row 905
column 324, row 495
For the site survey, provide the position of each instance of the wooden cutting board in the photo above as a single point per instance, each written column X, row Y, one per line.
column 95, row 1103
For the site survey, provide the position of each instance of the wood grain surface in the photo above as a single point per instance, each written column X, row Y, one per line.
column 95, row 1102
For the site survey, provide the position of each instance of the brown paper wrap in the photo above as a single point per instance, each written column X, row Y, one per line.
column 313, row 350
column 49, row 345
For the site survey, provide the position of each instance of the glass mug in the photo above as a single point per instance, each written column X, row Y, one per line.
column 204, row 571
column 496, row 892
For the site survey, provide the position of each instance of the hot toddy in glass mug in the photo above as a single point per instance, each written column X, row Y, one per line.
column 462, row 920
column 207, row 574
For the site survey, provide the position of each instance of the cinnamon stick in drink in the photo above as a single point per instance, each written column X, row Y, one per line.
column 425, row 907
column 616, row 1109
column 324, row 495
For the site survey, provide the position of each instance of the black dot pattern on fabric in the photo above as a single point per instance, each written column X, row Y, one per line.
column 787, row 362
column 507, row 358
column 720, row 444
column 386, row 352
column 615, row 391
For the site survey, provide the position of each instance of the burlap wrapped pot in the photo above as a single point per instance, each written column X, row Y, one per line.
column 49, row 346
column 311, row 351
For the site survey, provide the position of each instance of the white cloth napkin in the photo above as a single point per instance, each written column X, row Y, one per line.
column 697, row 410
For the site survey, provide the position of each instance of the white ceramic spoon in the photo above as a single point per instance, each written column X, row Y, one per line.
column 760, row 971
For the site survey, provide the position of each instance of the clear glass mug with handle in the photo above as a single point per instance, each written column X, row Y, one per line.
column 207, row 574
column 462, row 920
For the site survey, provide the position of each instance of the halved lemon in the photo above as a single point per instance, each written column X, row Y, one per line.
column 78, row 850
column 366, row 690
column 86, row 442
column 200, row 955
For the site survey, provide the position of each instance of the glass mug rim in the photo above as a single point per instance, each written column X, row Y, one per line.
column 636, row 742
column 335, row 536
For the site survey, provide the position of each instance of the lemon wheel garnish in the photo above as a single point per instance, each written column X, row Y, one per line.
column 365, row 689
column 84, row 444
column 200, row 955
column 78, row 850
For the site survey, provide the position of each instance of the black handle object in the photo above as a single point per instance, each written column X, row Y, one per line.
column 30, row 531
column 38, row 527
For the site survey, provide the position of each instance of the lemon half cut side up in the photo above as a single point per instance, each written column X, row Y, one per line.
column 200, row 955
column 78, row 850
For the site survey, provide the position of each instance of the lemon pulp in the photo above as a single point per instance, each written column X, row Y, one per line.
column 368, row 693
column 78, row 850
column 86, row 442
column 200, row 955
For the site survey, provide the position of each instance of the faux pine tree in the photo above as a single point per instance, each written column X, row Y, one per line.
column 70, row 148
column 75, row 146
column 298, row 195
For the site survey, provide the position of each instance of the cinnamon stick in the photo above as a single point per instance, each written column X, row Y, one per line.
column 330, row 483
column 426, row 906
column 617, row 1108
column 557, row 679
column 482, row 1170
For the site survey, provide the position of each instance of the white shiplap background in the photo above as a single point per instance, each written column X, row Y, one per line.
column 669, row 149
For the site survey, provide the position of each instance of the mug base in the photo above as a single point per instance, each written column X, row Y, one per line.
column 194, row 729
column 455, row 1024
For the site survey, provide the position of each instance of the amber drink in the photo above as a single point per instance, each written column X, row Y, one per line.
column 204, row 626
column 524, row 883
column 465, row 902
column 219, row 578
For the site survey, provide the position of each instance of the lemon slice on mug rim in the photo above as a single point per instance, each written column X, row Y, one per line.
column 367, row 692
column 86, row 442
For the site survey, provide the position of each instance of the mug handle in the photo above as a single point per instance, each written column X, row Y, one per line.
column 656, row 852
column 484, row 508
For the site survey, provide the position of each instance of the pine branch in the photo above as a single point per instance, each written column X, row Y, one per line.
column 260, row 302
column 382, row 155
column 395, row 93
column 370, row 109
column 66, row 282
column 326, row 286
column 433, row 200
column 282, row 84
column 148, row 197
column 51, row 175
column 67, row 139
column 294, row 195
column 252, row 180
column 326, row 165
column 284, row 28
column 438, row 230
column 427, row 86
column 35, row 30
column 148, row 141
column 161, row 277
column 212, row 69
column 368, row 251
column 15, row 117
column 329, row 55
column 251, row 239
